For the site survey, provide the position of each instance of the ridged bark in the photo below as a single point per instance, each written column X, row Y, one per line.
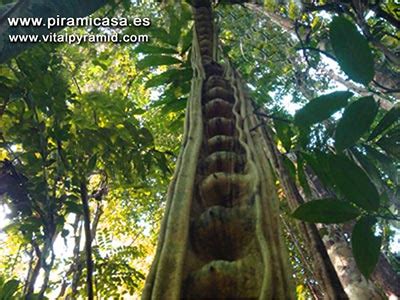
column 220, row 237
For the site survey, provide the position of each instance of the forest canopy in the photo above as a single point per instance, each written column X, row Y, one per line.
column 98, row 147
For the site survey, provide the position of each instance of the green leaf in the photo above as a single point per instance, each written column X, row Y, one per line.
column 385, row 163
column 353, row 182
column 388, row 120
column 9, row 289
column 162, row 162
column 304, row 138
column 31, row 225
column 73, row 207
column 92, row 162
column 327, row 211
column 390, row 142
column 175, row 30
column 145, row 137
column 160, row 34
column 64, row 233
column 351, row 50
column 356, row 120
column 169, row 76
column 321, row 108
column 157, row 60
column 284, row 133
column 186, row 40
column 319, row 164
column 174, row 105
column 5, row 91
column 369, row 167
column 151, row 49
column 365, row 245
column 102, row 65
column 132, row 129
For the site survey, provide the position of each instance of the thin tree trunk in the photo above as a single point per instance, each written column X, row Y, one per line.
column 35, row 272
column 77, row 242
column 77, row 270
column 88, row 240
column 30, row 270
column 96, row 220
column 46, row 279
column 76, row 266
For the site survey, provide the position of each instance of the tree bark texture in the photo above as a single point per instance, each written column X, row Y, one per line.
column 220, row 237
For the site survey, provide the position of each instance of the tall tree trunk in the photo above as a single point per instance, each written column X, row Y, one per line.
column 76, row 258
column 220, row 236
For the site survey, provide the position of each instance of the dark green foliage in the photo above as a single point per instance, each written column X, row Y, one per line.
column 366, row 246
column 321, row 108
column 356, row 120
column 352, row 182
column 346, row 177
column 387, row 165
column 390, row 142
column 318, row 161
column 351, row 50
column 8, row 289
column 169, row 76
column 284, row 133
column 73, row 207
column 157, row 60
column 152, row 49
column 326, row 211
column 389, row 119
